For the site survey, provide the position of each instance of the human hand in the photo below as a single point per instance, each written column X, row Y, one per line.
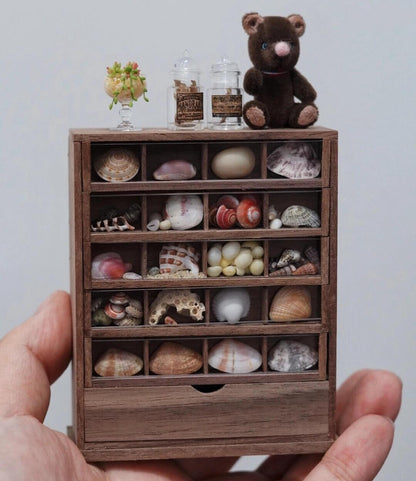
column 35, row 354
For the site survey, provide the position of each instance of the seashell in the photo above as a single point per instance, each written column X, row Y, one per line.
column 243, row 259
column 212, row 216
column 154, row 221
column 108, row 265
column 233, row 163
column 175, row 358
column 214, row 271
column 100, row 318
column 115, row 311
column 96, row 303
column 132, row 276
column 248, row 213
column 214, row 256
column 288, row 256
column 183, row 300
column 250, row 244
column 276, row 224
column 134, row 309
column 234, row 357
column 272, row 213
column 230, row 250
column 294, row 160
column 291, row 356
column 175, row 170
column 300, row 216
column 225, row 218
column 229, row 271
column 283, row 271
column 290, row 303
column 312, row 254
column 257, row 252
column 154, row 271
column 184, row 211
column 230, row 201
column 165, row 224
column 132, row 213
column 174, row 258
column 257, row 267
column 116, row 362
column 307, row 269
column 120, row 298
column 128, row 321
column 231, row 305
column 117, row 165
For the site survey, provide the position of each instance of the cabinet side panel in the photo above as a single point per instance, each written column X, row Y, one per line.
column 76, row 262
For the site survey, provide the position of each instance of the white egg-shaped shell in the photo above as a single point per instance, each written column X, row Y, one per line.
column 214, row 256
column 257, row 252
column 230, row 250
column 234, row 357
column 244, row 259
column 231, row 305
column 214, row 271
column 229, row 271
column 233, row 163
column 184, row 211
column 257, row 267
column 276, row 224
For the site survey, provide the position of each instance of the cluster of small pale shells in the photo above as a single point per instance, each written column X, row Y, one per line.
column 235, row 258
column 291, row 262
column 119, row 309
column 181, row 212
column 293, row 216
column 183, row 300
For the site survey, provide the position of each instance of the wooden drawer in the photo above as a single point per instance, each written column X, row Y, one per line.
column 182, row 412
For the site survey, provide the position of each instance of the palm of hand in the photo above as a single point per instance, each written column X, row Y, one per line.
column 35, row 354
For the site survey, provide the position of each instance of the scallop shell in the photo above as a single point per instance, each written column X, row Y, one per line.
column 174, row 258
column 117, row 165
column 233, row 163
column 175, row 358
column 290, row 303
column 288, row 256
column 300, row 216
column 248, row 213
column 294, row 160
column 291, row 356
column 231, row 305
column 108, row 265
column 234, row 357
column 184, row 211
column 116, row 362
column 175, row 170
column 307, row 269
column 225, row 218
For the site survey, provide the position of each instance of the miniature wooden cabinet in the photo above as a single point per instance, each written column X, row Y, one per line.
column 209, row 412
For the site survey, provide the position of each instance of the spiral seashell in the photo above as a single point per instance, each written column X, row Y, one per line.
column 234, row 357
column 294, row 160
column 231, row 305
column 175, row 170
column 108, row 265
column 290, row 303
column 134, row 309
column 300, row 216
column 283, row 271
column 225, row 218
column 117, row 362
column 230, row 201
column 174, row 358
column 184, row 211
column 288, row 256
column 117, row 165
column 154, row 221
column 120, row 298
column 312, row 254
column 291, row 356
column 248, row 213
column 307, row 269
column 115, row 311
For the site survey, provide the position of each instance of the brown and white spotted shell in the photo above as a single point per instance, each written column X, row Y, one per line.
column 174, row 258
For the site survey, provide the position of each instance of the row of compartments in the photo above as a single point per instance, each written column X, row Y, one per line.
column 214, row 211
column 201, row 155
column 192, row 357
column 197, row 261
column 213, row 307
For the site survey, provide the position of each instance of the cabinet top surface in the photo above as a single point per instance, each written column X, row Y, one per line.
column 165, row 135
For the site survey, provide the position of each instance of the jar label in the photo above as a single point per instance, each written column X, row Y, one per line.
column 227, row 105
column 189, row 106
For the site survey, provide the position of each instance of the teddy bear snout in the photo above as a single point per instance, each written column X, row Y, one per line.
column 282, row 49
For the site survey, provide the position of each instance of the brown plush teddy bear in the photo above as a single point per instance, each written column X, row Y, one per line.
column 273, row 47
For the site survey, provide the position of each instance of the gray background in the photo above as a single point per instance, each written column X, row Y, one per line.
column 360, row 58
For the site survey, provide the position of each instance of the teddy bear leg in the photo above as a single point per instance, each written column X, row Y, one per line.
column 255, row 114
column 303, row 115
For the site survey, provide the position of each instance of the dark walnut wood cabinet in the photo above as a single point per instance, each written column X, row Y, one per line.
column 207, row 413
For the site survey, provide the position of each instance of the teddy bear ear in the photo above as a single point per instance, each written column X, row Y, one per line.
column 251, row 22
column 298, row 24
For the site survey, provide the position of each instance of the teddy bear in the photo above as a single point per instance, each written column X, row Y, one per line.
column 273, row 47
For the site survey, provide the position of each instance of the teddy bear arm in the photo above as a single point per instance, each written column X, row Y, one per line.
column 302, row 89
column 253, row 81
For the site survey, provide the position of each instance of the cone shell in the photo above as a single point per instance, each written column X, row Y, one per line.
column 290, row 303
column 117, row 165
column 288, row 256
column 248, row 213
column 175, row 170
column 184, row 211
column 291, row 356
column 231, row 305
column 175, row 358
column 307, row 269
column 300, row 216
column 234, row 357
column 116, row 362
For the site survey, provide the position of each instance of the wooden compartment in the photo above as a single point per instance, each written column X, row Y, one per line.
column 207, row 412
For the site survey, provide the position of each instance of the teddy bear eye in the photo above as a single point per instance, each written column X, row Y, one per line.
column 264, row 45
